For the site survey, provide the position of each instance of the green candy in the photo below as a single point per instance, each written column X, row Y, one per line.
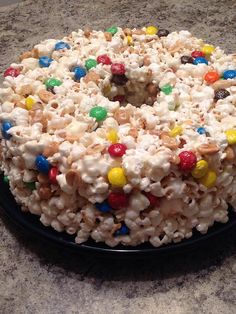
column 6, row 179
column 90, row 63
column 112, row 30
column 30, row 185
column 167, row 89
column 99, row 113
column 52, row 82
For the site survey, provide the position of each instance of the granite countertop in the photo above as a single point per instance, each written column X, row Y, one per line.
column 37, row 278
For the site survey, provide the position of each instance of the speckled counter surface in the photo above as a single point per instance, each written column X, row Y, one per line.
column 36, row 278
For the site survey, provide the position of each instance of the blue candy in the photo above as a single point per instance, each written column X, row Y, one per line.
column 122, row 231
column 5, row 127
column 199, row 60
column 45, row 61
column 61, row 45
column 79, row 73
column 201, row 130
column 229, row 74
column 104, row 207
column 42, row 164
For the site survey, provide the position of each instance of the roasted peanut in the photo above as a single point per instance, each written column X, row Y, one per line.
column 169, row 142
column 45, row 95
column 72, row 177
column 51, row 149
column 45, row 192
column 108, row 36
column 230, row 155
column 92, row 77
column 208, row 149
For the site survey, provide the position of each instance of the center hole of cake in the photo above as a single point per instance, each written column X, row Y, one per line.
column 131, row 91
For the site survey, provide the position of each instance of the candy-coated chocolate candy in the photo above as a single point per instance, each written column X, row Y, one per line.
column 45, row 61
column 177, row 130
column 116, row 177
column 200, row 60
column 209, row 179
column 197, row 54
column 61, row 45
column 29, row 102
column 11, row 72
column 113, row 30
column 6, row 125
column 104, row 59
column 229, row 74
column 231, row 136
column 53, row 173
column 103, row 207
column 118, row 68
column 124, row 230
column 200, row 169
column 154, row 200
column 119, row 79
column 90, row 63
column 163, row 32
column 30, row 185
column 188, row 160
column 117, row 149
column 212, row 77
column 79, row 73
column 112, row 136
column 6, row 179
column 129, row 40
column 221, row 94
column 151, row 30
column 99, row 113
column 120, row 98
column 42, row 164
column 52, row 82
column 186, row 59
column 201, row 130
column 208, row 49
column 118, row 200
column 167, row 89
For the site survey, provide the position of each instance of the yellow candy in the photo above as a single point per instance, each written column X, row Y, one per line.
column 208, row 49
column 209, row 179
column 231, row 136
column 200, row 169
column 151, row 30
column 177, row 130
column 129, row 40
column 29, row 102
column 112, row 136
column 116, row 177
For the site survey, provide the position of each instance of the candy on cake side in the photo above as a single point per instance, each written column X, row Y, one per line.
column 125, row 136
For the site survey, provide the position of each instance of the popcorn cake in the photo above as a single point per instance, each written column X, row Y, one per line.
column 124, row 136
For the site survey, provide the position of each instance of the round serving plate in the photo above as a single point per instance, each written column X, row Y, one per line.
column 31, row 224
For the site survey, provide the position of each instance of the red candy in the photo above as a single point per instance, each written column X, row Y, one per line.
column 154, row 200
column 104, row 59
column 117, row 150
column 197, row 54
column 120, row 98
column 118, row 200
column 188, row 160
column 11, row 72
column 53, row 172
column 118, row 68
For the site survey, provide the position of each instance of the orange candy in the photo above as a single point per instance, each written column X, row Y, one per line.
column 212, row 77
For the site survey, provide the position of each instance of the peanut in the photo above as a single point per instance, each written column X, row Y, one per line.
column 151, row 89
column 51, row 149
column 92, row 77
column 127, row 31
column 42, row 178
column 45, row 192
column 72, row 177
column 45, row 95
column 230, row 155
column 146, row 60
column 108, row 36
column 87, row 31
column 208, row 149
column 169, row 142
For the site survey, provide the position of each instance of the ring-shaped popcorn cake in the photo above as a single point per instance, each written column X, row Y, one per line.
column 125, row 136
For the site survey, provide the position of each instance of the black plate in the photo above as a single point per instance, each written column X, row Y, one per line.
column 31, row 224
